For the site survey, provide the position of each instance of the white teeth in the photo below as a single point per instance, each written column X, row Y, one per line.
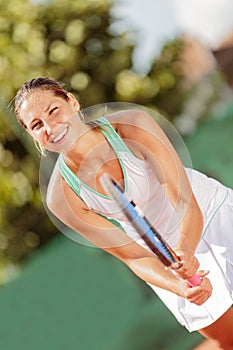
column 59, row 136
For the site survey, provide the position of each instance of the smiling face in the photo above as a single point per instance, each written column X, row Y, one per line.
column 51, row 120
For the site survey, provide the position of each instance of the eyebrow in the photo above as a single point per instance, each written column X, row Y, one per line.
column 48, row 107
column 46, row 110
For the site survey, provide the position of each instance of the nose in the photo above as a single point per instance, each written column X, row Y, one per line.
column 49, row 125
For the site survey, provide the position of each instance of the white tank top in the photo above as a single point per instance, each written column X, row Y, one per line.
column 143, row 187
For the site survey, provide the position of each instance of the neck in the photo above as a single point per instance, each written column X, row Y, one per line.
column 88, row 140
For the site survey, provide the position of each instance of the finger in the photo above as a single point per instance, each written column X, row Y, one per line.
column 203, row 273
column 200, row 297
column 187, row 273
column 201, row 300
column 189, row 263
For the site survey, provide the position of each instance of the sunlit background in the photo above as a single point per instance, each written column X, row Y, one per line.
column 173, row 56
column 209, row 21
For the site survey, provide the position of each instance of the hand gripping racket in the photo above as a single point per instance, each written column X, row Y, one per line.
column 147, row 232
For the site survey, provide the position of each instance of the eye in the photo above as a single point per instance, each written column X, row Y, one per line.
column 36, row 125
column 52, row 110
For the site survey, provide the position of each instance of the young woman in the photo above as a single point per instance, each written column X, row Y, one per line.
column 193, row 212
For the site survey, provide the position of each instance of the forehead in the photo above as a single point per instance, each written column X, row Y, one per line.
column 38, row 99
column 36, row 103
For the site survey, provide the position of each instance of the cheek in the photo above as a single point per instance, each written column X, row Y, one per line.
column 65, row 114
column 38, row 136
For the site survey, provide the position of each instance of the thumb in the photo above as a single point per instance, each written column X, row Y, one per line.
column 203, row 273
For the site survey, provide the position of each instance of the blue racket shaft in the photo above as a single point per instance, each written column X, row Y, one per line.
column 147, row 232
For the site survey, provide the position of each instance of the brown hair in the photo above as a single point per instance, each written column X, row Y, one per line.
column 37, row 84
column 42, row 83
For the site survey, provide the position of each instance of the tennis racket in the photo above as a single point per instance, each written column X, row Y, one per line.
column 148, row 233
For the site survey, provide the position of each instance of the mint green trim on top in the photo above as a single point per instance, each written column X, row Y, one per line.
column 213, row 214
column 115, row 222
column 118, row 146
column 74, row 182
column 112, row 136
column 70, row 177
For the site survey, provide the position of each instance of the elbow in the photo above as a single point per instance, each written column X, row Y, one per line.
column 141, row 265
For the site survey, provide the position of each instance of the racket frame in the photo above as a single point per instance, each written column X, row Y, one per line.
column 148, row 233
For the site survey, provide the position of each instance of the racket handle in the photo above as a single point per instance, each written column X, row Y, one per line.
column 194, row 281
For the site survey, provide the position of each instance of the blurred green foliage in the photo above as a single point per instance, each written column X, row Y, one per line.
column 73, row 42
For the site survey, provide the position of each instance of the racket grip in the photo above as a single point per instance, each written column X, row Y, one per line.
column 194, row 281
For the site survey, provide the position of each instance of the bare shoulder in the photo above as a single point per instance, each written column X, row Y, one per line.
column 131, row 116
column 58, row 192
column 54, row 191
column 134, row 123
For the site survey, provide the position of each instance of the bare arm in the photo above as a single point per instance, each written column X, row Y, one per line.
column 153, row 145
column 69, row 208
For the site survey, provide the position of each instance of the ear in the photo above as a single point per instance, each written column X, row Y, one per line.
column 73, row 101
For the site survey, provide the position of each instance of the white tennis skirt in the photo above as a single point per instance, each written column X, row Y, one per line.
column 215, row 253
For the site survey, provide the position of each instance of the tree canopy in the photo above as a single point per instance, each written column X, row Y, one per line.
column 75, row 43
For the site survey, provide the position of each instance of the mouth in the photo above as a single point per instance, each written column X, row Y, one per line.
column 59, row 136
